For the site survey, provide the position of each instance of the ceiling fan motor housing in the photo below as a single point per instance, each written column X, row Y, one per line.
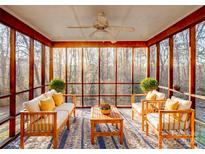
column 101, row 21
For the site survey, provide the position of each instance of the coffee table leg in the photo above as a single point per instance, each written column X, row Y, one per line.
column 92, row 132
column 121, row 132
column 117, row 126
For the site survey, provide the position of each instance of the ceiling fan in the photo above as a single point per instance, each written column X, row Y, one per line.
column 101, row 24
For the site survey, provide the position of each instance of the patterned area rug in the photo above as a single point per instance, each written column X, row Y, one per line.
column 78, row 137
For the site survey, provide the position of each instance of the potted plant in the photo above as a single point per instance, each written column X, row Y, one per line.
column 149, row 84
column 57, row 84
column 105, row 108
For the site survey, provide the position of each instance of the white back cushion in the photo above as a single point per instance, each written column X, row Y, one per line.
column 33, row 105
column 183, row 105
column 50, row 93
column 160, row 96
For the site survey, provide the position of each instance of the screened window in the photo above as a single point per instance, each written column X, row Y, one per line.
column 74, row 69
column 47, row 53
column 4, row 60
column 20, row 99
column 22, row 62
column 153, row 50
column 107, row 65
column 37, row 64
column 200, row 81
column 140, row 61
column 181, row 60
column 4, row 76
column 124, row 65
column 59, row 63
column 91, row 65
column 164, row 54
column 200, row 59
column 96, row 72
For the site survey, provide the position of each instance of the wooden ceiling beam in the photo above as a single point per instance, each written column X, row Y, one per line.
column 76, row 44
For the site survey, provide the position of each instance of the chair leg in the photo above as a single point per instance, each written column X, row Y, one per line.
column 21, row 141
column 132, row 114
column 143, row 120
column 147, row 129
column 192, row 143
column 74, row 112
column 68, row 123
column 160, row 142
column 55, row 141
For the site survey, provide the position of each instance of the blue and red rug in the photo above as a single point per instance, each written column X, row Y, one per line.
column 78, row 137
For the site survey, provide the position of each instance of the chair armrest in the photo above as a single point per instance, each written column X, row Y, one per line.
column 176, row 111
column 153, row 101
column 40, row 112
column 73, row 97
column 136, row 95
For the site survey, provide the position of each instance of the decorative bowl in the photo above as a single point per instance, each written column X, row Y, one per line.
column 106, row 112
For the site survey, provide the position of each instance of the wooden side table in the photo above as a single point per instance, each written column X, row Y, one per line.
column 113, row 118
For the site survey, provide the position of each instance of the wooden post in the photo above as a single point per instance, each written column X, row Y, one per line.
column 82, row 73
column 43, row 68
column 133, row 53
column 192, row 63
column 157, row 61
column 148, row 62
column 66, row 72
column 99, row 58
column 170, row 70
column 31, row 68
column 51, row 64
column 12, row 122
column 116, row 76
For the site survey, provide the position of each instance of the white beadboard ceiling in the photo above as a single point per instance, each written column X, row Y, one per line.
column 52, row 20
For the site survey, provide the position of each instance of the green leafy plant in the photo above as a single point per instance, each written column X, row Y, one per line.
column 149, row 84
column 57, row 84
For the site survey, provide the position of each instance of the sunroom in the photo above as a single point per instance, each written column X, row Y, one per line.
column 106, row 58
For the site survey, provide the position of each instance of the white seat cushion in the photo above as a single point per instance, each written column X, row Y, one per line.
column 137, row 107
column 33, row 105
column 65, row 107
column 46, row 123
column 153, row 118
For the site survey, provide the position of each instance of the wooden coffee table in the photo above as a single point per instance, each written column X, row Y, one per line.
column 113, row 118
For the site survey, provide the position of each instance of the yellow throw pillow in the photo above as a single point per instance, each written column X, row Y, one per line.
column 58, row 99
column 172, row 105
column 47, row 104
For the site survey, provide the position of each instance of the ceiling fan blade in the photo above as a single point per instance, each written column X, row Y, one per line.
column 110, row 37
column 79, row 27
column 93, row 33
column 121, row 28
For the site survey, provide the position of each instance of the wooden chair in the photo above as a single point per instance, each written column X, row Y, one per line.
column 169, row 124
column 140, row 109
